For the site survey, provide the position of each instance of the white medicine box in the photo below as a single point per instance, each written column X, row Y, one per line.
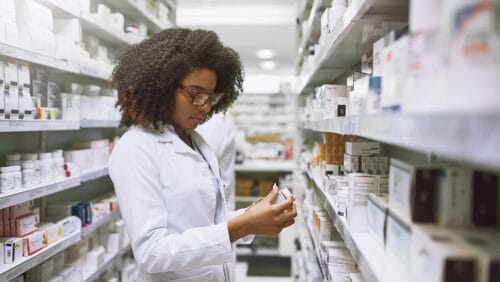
column 413, row 190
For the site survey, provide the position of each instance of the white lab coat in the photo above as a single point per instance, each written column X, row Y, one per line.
column 168, row 204
column 218, row 132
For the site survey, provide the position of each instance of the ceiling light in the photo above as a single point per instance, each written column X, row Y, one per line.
column 265, row 54
column 268, row 65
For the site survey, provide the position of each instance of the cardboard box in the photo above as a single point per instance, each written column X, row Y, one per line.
column 362, row 148
column 351, row 163
column 13, row 248
column 437, row 256
column 485, row 199
column 454, row 198
column 360, row 185
column 413, row 190
column 398, row 243
column 33, row 243
column 377, row 210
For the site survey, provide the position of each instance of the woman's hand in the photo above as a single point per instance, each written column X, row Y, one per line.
column 263, row 217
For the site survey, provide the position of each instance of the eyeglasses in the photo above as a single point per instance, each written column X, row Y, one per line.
column 199, row 99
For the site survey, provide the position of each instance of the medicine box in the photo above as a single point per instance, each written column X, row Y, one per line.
column 362, row 148
column 413, row 190
column 376, row 215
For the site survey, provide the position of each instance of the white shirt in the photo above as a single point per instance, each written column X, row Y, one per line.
column 168, row 206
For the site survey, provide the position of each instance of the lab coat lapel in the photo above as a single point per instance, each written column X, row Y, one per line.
column 207, row 152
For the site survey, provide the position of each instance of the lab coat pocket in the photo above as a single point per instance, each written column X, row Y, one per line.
column 207, row 276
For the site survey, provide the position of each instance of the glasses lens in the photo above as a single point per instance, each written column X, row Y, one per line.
column 200, row 99
column 215, row 98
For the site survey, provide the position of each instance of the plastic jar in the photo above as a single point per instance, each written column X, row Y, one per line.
column 28, row 173
column 44, row 156
column 14, row 157
column 46, row 168
column 59, row 171
column 12, row 163
column 29, row 157
column 57, row 154
column 7, row 181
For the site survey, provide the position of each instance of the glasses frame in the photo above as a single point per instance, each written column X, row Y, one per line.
column 213, row 99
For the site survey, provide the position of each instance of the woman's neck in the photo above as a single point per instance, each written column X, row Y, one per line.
column 184, row 135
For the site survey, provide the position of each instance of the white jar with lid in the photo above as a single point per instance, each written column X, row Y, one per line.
column 14, row 157
column 10, row 178
column 29, row 157
column 46, row 167
column 44, row 156
column 28, row 173
column 12, row 163
column 59, row 171
column 7, row 181
column 57, row 154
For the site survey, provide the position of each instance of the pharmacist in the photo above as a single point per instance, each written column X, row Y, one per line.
column 165, row 175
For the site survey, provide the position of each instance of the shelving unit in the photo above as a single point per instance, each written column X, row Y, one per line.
column 450, row 137
column 342, row 48
column 38, row 125
column 10, row 271
column 97, row 26
column 18, row 53
column 38, row 191
column 94, row 174
column 362, row 246
column 87, row 230
column 135, row 11
column 85, row 123
column 108, row 264
column 46, row 135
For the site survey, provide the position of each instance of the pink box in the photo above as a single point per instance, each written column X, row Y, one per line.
column 33, row 243
column 21, row 210
column 26, row 225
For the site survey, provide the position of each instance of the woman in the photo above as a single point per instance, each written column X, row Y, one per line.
column 165, row 175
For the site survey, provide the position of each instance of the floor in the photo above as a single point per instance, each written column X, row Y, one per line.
column 241, row 275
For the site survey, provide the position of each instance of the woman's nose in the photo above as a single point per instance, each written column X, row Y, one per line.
column 205, row 109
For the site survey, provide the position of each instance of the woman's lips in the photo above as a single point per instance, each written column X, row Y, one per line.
column 198, row 119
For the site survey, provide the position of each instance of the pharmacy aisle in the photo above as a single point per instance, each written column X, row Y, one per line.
column 398, row 177
column 59, row 217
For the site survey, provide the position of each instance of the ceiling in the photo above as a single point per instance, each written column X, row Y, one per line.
column 247, row 26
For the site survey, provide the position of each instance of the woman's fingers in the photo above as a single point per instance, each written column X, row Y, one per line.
column 272, row 196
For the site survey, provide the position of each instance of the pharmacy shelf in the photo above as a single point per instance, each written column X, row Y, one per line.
column 450, row 137
column 364, row 249
column 137, row 12
column 347, row 42
column 266, row 166
column 10, row 271
column 38, row 125
column 21, row 54
column 87, row 230
column 313, row 30
column 61, row 8
column 316, row 251
column 93, row 72
column 94, row 174
column 108, row 264
column 102, row 29
column 38, row 191
column 88, row 123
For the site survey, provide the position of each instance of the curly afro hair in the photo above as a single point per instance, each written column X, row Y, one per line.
column 148, row 73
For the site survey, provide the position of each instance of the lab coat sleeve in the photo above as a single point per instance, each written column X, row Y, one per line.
column 134, row 172
column 247, row 239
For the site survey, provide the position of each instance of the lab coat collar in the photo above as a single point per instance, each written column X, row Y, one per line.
column 170, row 136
